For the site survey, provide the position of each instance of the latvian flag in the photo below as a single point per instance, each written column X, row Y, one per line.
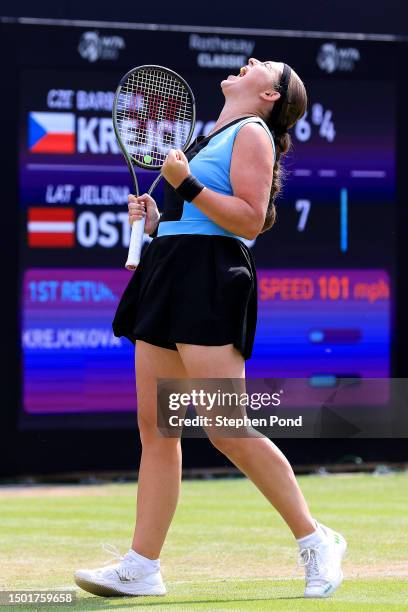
column 51, row 133
column 51, row 227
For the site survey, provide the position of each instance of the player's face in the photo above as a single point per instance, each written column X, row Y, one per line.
column 256, row 77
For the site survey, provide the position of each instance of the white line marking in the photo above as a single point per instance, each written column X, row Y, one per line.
column 327, row 173
column 217, row 580
column 78, row 168
column 64, row 587
column 368, row 173
column 124, row 25
column 302, row 172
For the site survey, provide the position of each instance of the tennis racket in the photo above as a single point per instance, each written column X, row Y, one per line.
column 153, row 112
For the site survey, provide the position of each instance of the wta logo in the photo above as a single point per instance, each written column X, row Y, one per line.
column 93, row 47
column 331, row 58
column 51, row 133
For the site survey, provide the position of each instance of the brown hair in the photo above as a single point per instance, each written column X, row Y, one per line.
column 293, row 108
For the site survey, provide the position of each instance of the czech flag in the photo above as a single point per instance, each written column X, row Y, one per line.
column 51, row 133
column 51, row 227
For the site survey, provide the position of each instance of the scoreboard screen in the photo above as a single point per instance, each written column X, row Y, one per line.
column 325, row 271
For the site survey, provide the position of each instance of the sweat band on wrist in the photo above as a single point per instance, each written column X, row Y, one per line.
column 190, row 188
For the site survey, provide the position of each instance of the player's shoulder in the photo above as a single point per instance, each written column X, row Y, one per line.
column 255, row 128
column 255, row 132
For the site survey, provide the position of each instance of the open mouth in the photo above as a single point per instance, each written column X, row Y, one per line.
column 243, row 71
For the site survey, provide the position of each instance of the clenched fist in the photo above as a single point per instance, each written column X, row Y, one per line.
column 175, row 168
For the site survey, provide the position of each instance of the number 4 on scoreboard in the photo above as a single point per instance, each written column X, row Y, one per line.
column 303, row 207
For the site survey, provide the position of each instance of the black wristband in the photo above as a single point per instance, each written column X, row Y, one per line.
column 190, row 188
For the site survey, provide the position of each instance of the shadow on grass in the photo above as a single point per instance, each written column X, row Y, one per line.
column 101, row 603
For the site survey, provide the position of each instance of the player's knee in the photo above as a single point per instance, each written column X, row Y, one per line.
column 227, row 446
column 147, row 428
column 150, row 434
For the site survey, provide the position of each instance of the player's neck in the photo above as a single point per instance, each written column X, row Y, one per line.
column 229, row 113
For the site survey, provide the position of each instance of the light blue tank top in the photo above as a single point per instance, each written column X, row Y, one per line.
column 211, row 166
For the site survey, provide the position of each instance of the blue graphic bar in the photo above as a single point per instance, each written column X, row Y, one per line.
column 323, row 380
column 343, row 220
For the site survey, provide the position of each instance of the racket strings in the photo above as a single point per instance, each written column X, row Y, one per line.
column 154, row 113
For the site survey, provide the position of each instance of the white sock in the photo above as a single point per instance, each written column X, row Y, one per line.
column 145, row 561
column 313, row 538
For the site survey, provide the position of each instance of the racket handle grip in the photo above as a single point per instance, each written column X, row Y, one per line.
column 135, row 245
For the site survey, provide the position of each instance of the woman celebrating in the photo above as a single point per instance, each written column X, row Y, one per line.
column 190, row 308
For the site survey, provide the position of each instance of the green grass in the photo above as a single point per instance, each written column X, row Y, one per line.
column 227, row 549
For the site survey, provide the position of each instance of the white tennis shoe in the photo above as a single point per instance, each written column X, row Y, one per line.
column 127, row 577
column 322, row 563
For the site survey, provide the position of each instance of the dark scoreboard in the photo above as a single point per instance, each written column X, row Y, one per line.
column 326, row 271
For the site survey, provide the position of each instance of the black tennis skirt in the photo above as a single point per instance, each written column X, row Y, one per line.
column 192, row 289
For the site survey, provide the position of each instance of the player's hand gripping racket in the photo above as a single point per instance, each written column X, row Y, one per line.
column 153, row 112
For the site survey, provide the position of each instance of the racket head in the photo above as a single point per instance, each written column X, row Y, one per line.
column 153, row 112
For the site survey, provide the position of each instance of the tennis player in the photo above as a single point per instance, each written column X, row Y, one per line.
column 190, row 308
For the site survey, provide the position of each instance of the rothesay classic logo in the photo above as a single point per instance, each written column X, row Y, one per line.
column 93, row 47
column 331, row 58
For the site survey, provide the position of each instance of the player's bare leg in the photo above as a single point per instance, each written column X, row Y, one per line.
column 320, row 548
column 138, row 572
column 160, row 466
column 257, row 457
